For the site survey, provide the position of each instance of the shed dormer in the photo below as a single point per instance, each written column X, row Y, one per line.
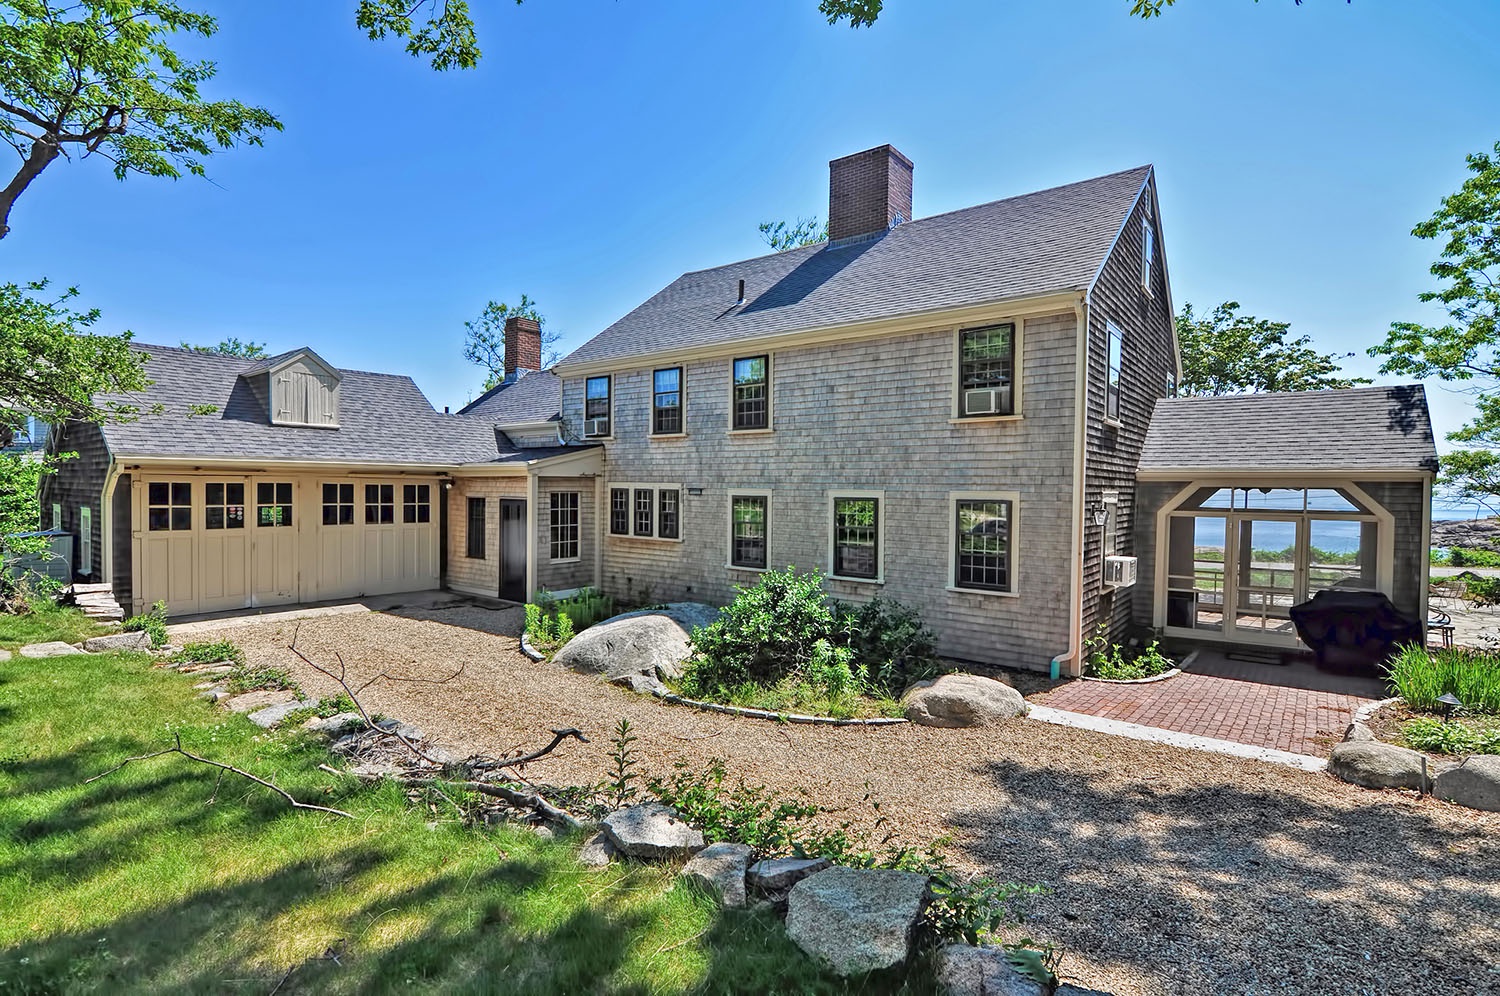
column 303, row 389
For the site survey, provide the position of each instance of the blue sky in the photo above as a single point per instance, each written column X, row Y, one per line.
column 604, row 146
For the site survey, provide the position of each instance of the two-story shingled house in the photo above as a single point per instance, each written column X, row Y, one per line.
column 972, row 413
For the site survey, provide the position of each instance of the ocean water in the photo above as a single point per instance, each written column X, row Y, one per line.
column 1333, row 535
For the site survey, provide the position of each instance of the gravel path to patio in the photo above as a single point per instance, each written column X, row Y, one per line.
column 1169, row 871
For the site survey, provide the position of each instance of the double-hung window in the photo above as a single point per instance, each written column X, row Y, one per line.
column 475, row 530
column 987, row 371
column 562, row 526
column 751, row 401
column 645, row 511
column 749, row 518
column 666, row 402
column 596, row 407
column 1112, row 383
column 983, row 531
column 856, row 537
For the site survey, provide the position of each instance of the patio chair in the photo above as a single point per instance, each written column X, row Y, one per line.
column 1441, row 623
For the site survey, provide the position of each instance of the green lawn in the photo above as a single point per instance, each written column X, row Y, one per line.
column 67, row 625
column 154, row 881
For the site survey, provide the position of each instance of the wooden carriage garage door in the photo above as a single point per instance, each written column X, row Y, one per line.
column 214, row 542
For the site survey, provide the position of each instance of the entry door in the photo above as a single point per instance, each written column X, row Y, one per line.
column 1270, row 561
column 513, row 549
column 223, row 547
column 168, row 568
column 274, row 558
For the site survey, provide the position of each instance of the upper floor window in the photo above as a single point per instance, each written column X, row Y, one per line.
column 752, row 393
column 1148, row 253
column 1112, row 383
column 666, row 401
column 596, row 407
column 856, row 537
column 987, row 371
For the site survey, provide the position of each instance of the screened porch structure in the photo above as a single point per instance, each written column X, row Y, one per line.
column 1250, row 504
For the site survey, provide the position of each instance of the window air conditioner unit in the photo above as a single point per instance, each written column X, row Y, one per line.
column 1119, row 572
column 596, row 427
column 987, row 401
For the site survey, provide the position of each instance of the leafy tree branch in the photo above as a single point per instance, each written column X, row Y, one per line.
column 484, row 337
column 782, row 236
column 1226, row 352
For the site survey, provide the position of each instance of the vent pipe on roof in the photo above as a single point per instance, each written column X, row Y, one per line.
column 741, row 298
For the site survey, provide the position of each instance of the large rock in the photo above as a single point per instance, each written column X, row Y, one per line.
column 251, row 701
column 856, row 920
column 651, row 830
column 956, row 700
column 963, row 970
column 651, row 643
column 720, row 868
column 1475, row 783
column 273, row 714
column 135, row 640
column 1377, row 765
column 1359, row 733
column 332, row 726
column 598, row 851
column 777, row 874
column 37, row 651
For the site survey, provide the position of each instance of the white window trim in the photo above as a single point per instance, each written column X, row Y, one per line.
column 578, row 526
column 655, row 536
column 880, row 519
column 86, row 539
column 1014, row 497
column 1148, row 259
column 729, row 527
column 770, row 395
column 1111, row 330
column 57, row 515
column 955, row 409
column 651, row 432
column 584, row 420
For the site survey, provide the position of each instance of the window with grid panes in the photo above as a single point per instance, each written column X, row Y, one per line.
column 380, row 504
column 562, row 526
column 273, row 503
column 644, row 499
column 596, row 391
column 856, row 537
column 416, row 503
column 338, row 504
column 619, row 511
column 668, row 504
column 747, row 530
column 224, row 505
column 752, row 393
column 987, row 371
column 666, row 401
column 169, row 507
column 983, row 548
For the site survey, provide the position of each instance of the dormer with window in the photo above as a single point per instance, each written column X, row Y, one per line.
column 303, row 389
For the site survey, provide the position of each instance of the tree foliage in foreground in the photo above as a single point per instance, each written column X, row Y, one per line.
column 1226, row 352
column 484, row 337
column 1466, row 347
column 102, row 78
column 51, row 364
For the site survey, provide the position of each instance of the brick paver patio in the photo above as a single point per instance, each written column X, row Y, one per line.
column 1293, row 707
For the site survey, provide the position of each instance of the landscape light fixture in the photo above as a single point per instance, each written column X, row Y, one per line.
column 1449, row 702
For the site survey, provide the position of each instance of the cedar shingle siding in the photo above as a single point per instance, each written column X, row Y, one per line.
column 79, row 482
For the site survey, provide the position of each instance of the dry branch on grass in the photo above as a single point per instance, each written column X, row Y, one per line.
column 224, row 769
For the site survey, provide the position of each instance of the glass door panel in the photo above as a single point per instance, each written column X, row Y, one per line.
column 1265, row 576
column 1340, row 554
column 1195, row 572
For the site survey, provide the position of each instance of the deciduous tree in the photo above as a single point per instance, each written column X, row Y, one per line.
column 101, row 78
column 484, row 337
column 1465, row 348
column 782, row 235
column 1230, row 353
column 231, row 347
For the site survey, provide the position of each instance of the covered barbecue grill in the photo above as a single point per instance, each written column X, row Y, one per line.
column 1352, row 630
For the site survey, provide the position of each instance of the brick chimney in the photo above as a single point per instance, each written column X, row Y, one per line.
column 523, row 345
column 868, row 193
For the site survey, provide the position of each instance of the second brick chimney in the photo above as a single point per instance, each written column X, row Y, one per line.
column 523, row 345
column 868, row 193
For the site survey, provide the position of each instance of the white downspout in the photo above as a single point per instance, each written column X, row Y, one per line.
column 1080, row 435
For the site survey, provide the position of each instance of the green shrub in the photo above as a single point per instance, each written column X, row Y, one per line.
column 785, row 628
column 209, row 653
column 1473, row 557
column 1421, row 676
column 153, row 623
column 1484, row 591
column 1116, row 662
column 547, row 632
column 585, row 608
column 1454, row 737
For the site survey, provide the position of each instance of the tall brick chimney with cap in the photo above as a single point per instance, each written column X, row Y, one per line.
column 523, row 346
column 868, row 193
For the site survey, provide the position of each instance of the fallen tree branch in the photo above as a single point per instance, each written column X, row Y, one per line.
column 529, row 799
column 558, row 736
column 177, row 748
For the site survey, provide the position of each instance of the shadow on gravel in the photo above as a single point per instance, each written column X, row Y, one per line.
column 1228, row 889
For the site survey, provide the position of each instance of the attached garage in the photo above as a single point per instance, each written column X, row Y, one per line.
column 207, row 542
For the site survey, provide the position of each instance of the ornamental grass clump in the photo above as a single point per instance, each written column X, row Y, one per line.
column 1422, row 676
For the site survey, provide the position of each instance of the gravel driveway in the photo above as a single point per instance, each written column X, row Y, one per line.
column 1169, row 871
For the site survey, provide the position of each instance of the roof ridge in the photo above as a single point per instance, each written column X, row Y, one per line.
column 214, row 356
column 1297, row 394
column 818, row 246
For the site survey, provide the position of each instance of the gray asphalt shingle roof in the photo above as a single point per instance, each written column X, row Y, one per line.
column 1044, row 242
column 383, row 418
column 536, row 397
column 1363, row 428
